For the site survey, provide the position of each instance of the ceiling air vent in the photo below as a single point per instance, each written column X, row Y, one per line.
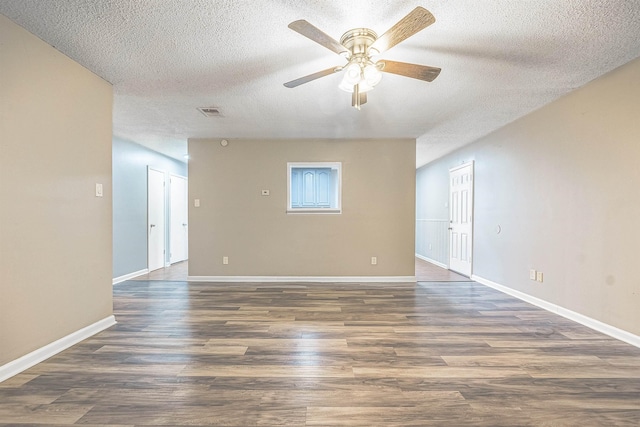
column 210, row 111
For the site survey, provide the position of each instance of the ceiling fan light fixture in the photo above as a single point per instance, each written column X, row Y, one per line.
column 363, row 86
column 352, row 74
column 371, row 75
column 345, row 86
column 355, row 74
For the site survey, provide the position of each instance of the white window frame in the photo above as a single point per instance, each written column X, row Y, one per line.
column 337, row 166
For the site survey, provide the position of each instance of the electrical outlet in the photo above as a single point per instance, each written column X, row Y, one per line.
column 374, row 260
column 196, row 203
column 539, row 276
column 225, row 260
column 532, row 274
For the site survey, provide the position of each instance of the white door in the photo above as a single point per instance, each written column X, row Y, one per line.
column 155, row 219
column 461, row 218
column 178, row 231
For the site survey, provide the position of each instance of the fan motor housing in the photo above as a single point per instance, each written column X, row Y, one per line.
column 358, row 40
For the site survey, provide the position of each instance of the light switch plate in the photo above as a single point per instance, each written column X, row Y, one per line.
column 265, row 192
column 99, row 192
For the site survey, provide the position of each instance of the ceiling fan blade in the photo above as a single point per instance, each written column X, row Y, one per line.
column 358, row 98
column 303, row 27
column 418, row 19
column 415, row 71
column 310, row 77
column 363, row 98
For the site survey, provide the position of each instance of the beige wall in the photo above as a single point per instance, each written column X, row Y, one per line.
column 261, row 239
column 55, row 235
column 563, row 183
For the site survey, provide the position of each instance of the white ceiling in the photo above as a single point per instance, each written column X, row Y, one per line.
column 500, row 60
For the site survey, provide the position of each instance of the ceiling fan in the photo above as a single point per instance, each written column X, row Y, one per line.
column 359, row 46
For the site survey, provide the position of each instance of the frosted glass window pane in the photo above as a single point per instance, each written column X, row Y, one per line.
column 314, row 188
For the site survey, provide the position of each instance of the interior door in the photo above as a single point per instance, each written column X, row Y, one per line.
column 461, row 218
column 178, row 231
column 155, row 219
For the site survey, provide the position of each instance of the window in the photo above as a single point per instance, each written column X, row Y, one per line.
column 314, row 187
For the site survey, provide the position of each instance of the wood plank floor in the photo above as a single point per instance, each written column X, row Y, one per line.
column 426, row 354
column 425, row 272
column 177, row 271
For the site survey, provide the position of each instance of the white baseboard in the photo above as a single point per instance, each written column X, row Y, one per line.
column 43, row 353
column 126, row 277
column 432, row 261
column 589, row 322
column 303, row 279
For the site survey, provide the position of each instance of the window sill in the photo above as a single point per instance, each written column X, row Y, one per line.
column 314, row 211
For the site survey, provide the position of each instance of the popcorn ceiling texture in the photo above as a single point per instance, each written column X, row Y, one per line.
column 500, row 60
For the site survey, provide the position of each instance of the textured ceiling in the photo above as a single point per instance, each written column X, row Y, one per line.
column 500, row 60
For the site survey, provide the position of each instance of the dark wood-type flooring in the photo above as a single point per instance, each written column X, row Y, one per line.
column 425, row 272
column 426, row 354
